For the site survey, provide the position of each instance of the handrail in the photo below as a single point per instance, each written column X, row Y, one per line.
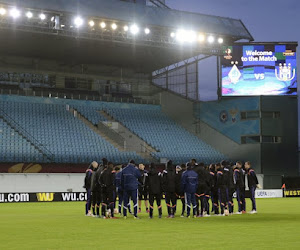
column 26, row 134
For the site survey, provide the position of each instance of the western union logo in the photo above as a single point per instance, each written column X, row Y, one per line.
column 45, row 196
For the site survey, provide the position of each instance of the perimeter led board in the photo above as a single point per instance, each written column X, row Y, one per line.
column 259, row 69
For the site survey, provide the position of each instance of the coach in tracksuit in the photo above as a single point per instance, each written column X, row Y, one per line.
column 169, row 188
column 189, row 182
column 252, row 184
column 229, row 180
column 95, row 189
column 154, row 186
column 129, row 182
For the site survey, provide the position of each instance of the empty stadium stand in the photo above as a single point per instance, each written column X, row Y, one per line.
column 47, row 131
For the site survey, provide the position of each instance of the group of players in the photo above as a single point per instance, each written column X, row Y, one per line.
column 192, row 183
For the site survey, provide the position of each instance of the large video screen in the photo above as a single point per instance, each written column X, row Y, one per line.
column 259, row 69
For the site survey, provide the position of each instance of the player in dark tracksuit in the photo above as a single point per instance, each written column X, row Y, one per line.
column 154, row 187
column 178, row 191
column 229, row 179
column 252, row 184
column 214, row 189
column 202, row 188
column 221, row 185
column 239, row 184
column 119, row 191
column 189, row 183
column 87, row 186
column 95, row 189
column 143, row 192
column 129, row 182
column 107, row 181
column 169, row 188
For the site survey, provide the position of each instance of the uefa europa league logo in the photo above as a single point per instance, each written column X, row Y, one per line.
column 285, row 72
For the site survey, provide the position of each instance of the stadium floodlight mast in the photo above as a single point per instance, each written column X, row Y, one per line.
column 29, row 14
column 78, row 22
column 2, row 11
column 14, row 13
column 42, row 16
column 134, row 29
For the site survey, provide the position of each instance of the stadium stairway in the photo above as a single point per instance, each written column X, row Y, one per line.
column 132, row 141
column 100, row 132
column 47, row 155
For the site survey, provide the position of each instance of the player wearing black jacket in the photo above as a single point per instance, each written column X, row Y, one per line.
column 87, row 186
column 154, row 187
column 107, row 181
column 143, row 192
column 94, row 189
column 214, row 189
column 203, row 187
column 169, row 188
column 252, row 184
column 178, row 191
column 221, row 185
column 239, row 186
column 229, row 180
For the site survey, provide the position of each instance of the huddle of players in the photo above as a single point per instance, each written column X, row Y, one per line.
column 194, row 184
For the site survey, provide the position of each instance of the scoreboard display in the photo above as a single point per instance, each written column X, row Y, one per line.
column 259, row 69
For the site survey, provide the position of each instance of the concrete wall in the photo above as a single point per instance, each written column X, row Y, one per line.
column 17, row 183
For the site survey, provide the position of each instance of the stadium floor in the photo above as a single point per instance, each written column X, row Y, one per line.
column 60, row 225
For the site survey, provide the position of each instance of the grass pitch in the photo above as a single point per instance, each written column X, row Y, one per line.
column 63, row 226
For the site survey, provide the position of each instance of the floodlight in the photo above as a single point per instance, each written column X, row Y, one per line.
column 172, row 34
column 201, row 38
column 29, row 14
column 210, row 39
column 220, row 40
column 14, row 13
column 114, row 26
column 147, row 31
column 92, row 23
column 126, row 28
column 134, row 29
column 42, row 16
column 2, row 11
column 102, row 25
column 78, row 21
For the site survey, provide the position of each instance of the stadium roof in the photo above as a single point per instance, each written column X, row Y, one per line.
column 80, row 47
column 120, row 10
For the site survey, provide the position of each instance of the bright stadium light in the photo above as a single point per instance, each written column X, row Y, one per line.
column 172, row 34
column 147, row 31
column 29, row 14
column 2, row 11
column 91, row 23
column 210, row 39
column 201, row 38
column 134, row 29
column 180, row 35
column 78, row 21
column 42, row 16
column 126, row 28
column 191, row 36
column 114, row 26
column 14, row 13
column 102, row 25
column 220, row 40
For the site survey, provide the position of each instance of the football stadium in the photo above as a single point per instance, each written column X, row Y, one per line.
column 130, row 124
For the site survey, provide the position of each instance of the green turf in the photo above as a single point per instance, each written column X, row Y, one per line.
column 63, row 226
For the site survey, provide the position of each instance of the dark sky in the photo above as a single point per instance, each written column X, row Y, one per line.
column 267, row 20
